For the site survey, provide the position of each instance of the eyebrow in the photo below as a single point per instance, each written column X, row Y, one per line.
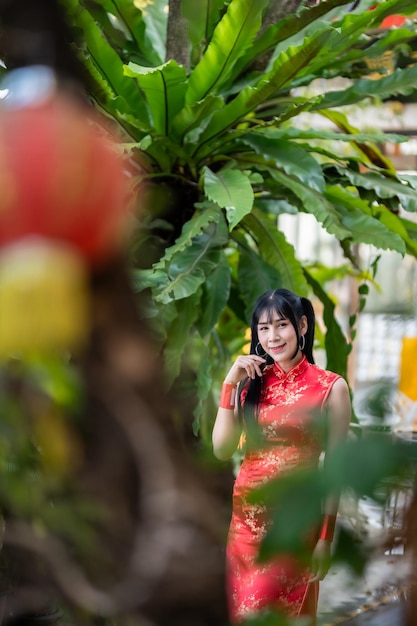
column 279, row 319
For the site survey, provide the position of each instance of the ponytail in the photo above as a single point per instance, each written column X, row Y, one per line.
column 309, row 335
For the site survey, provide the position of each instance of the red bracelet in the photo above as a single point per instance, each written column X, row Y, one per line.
column 228, row 396
column 327, row 527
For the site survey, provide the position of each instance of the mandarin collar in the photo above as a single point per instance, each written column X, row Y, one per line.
column 296, row 370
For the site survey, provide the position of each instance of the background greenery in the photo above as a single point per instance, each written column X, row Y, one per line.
column 206, row 99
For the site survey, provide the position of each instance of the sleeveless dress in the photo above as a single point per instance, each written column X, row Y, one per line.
column 289, row 405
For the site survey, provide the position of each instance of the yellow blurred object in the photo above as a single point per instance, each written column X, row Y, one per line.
column 408, row 368
column 248, row 337
column 407, row 385
column 44, row 302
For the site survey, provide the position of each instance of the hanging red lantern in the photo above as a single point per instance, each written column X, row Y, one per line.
column 61, row 178
column 63, row 209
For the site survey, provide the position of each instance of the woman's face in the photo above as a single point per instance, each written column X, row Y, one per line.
column 278, row 338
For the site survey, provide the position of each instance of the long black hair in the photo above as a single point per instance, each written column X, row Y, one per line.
column 288, row 306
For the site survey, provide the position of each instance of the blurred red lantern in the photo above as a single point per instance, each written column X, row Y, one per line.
column 60, row 178
column 63, row 207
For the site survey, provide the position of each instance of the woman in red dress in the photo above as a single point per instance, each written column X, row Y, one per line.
column 280, row 389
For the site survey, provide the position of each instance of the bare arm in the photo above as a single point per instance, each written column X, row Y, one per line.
column 227, row 430
column 339, row 415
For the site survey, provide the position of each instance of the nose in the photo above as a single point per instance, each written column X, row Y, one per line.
column 273, row 334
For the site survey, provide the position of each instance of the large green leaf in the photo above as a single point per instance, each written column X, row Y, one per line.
column 164, row 88
column 337, row 348
column 149, row 278
column 189, row 268
column 202, row 17
column 411, row 238
column 410, row 178
column 155, row 15
column 193, row 119
column 297, row 497
column 112, row 25
column 293, row 159
column 292, row 132
column 286, row 28
column 285, row 68
column 108, row 64
column 216, row 290
column 193, row 228
column 376, row 457
column 255, row 276
column 372, row 153
column 314, row 203
column 127, row 22
column 399, row 82
column 232, row 36
column 302, row 492
column 291, row 62
column 231, row 190
column 276, row 251
column 179, row 335
column 365, row 227
column 406, row 229
column 384, row 187
column 205, row 409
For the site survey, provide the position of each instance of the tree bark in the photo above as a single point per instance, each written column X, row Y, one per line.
column 177, row 47
column 277, row 10
column 157, row 556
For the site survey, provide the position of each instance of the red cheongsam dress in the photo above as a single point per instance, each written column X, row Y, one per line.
column 289, row 405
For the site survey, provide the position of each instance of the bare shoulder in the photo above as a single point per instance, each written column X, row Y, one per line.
column 339, row 391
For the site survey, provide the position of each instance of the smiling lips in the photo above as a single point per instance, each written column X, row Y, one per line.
column 277, row 348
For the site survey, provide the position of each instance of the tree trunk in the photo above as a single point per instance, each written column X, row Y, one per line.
column 177, row 47
column 278, row 9
column 157, row 557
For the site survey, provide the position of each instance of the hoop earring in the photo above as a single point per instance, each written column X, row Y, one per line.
column 257, row 352
column 303, row 342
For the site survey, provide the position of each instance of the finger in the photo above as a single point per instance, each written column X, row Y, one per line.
column 258, row 370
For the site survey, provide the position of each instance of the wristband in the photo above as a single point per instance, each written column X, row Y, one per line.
column 327, row 527
column 228, row 396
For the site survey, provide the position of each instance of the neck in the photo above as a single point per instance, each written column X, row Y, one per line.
column 287, row 365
